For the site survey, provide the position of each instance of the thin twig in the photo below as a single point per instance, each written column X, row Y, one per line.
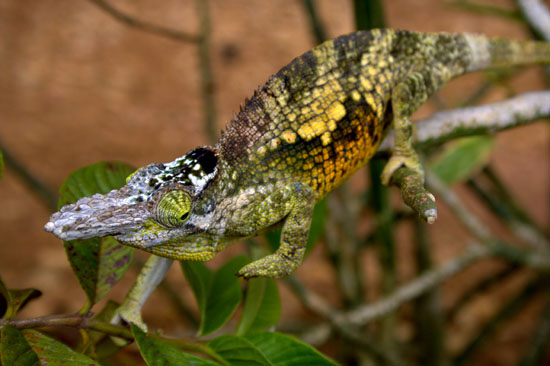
column 485, row 8
column 506, row 195
column 319, row 306
column 472, row 222
column 429, row 320
column 492, row 78
column 342, row 246
column 205, row 67
column 86, row 322
column 540, row 342
column 443, row 126
column 380, row 203
column 502, row 206
column 416, row 287
column 46, row 194
column 67, row 320
column 503, row 314
column 483, row 286
column 144, row 26
column 535, row 259
column 538, row 16
column 315, row 23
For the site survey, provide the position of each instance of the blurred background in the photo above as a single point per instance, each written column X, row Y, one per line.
column 78, row 86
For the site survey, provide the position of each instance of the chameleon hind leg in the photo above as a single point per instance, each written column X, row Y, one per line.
column 296, row 212
column 407, row 96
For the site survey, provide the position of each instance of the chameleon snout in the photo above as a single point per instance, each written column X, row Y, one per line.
column 96, row 216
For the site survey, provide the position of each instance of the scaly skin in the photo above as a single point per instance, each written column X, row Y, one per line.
column 300, row 136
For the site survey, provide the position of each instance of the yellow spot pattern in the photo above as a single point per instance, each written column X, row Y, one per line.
column 322, row 133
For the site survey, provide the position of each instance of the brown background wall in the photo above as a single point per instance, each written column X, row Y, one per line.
column 77, row 87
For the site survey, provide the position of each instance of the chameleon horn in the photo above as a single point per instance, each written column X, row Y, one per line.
column 96, row 216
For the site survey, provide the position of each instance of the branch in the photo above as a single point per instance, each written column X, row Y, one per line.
column 205, row 67
column 69, row 320
column 432, row 278
column 315, row 22
column 47, row 195
column 416, row 287
column 472, row 222
column 144, row 26
column 333, row 316
column 494, row 194
column 538, row 16
column 85, row 321
column 442, row 126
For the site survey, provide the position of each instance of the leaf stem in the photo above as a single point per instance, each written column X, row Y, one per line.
column 84, row 321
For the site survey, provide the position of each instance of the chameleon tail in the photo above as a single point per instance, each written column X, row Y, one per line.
column 494, row 52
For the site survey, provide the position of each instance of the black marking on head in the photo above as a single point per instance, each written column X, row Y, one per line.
column 206, row 158
column 196, row 170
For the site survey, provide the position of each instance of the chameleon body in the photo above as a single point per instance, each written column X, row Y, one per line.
column 301, row 135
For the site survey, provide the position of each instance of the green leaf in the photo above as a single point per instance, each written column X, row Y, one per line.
column 283, row 350
column 101, row 178
column 1, row 164
column 98, row 263
column 238, row 351
column 54, row 353
column 14, row 349
column 199, row 277
column 462, row 158
column 218, row 294
column 262, row 306
column 273, row 238
column 273, row 349
column 11, row 301
column 317, row 224
column 155, row 352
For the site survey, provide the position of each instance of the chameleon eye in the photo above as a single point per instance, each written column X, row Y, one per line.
column 173, row 208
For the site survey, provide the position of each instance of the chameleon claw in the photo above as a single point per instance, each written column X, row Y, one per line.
column 274, row 266
column 430, row 215
column 414, row 194
column 397, row 160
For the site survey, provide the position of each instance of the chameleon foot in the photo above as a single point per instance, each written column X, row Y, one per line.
column 399, row 159
column 275, row 265
column 405, row 172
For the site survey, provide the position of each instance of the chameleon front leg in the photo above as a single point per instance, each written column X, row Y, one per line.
column 406, row 98
column 148, row 279
column 295, row 205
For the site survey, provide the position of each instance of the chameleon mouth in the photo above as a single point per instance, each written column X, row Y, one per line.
column 99, row 215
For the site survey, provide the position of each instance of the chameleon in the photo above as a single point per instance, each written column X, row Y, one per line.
column 303, row 133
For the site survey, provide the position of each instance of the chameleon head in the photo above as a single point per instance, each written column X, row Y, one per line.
column 160, row 204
